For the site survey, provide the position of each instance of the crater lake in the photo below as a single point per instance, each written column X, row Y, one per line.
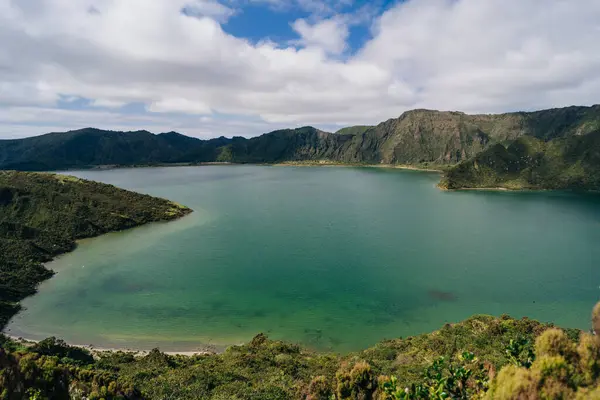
column 333, row 258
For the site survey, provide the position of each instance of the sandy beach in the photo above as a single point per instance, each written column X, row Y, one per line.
column 138, row 353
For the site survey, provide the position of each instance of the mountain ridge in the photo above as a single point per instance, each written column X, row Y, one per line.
column 421, row 137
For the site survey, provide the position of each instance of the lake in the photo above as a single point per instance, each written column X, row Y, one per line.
column 333, row 258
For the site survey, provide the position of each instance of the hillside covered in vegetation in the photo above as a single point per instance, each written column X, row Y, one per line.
column 41, row 216
column 481, row 358
column 353, row 130
column 556, row 141
column 529, row 163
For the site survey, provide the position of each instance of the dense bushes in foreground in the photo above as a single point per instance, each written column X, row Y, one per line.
column 480, row 358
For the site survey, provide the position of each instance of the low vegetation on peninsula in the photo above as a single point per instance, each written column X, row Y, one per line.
column 41, row 216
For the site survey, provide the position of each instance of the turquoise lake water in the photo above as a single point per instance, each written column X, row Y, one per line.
column 333, row 258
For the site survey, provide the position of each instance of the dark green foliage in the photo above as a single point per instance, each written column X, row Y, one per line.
column 444, row 380
column 41, row 216
column 427, row 366
column 27, row 375
column 254, row 370
column 520, row 352
column 561, row 122
column 353, row 130
column 58, row 348
column 483, row 335
column 563, row 163
column 561, row 370
column 88, row 147
column 564, row 368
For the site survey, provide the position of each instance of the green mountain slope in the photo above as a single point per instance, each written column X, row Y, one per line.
column 41, row 216
column 418, row 137
column 353, row 130
column 301, row 144
column 426, row 136
column 89, row 147
column 571, row 162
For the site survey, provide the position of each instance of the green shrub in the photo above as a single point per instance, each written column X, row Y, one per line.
column 357, row 383
column 319, row 389
column 589, row 357
column 554, row 342
column 57, row 347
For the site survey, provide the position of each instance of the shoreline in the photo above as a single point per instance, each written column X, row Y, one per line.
column 186, row 212
column 173, row 211
column 502, row 189
column 351, row 165
column 94, row 350
column 482, row 189
column 277, row 164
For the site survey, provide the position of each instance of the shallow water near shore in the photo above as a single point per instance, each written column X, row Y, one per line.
column 333, row 258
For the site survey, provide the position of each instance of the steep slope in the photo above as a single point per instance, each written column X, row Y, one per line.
column 418, row 137
column 529, row 163
column 302, row 144
column 353, row 130
column 41, row 216
column 88, row 147
column 426, row 136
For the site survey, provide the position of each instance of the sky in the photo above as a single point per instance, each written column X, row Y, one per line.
column 210, row 68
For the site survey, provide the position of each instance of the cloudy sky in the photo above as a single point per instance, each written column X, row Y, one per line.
column 243, row 67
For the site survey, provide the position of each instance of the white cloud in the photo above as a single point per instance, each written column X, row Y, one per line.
column 317, row 7
column 27, row 121
column 209, row 8
column 180, row 105
column 329, row 34
column 470, row 55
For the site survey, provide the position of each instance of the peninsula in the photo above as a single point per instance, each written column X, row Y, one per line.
column 42, row 215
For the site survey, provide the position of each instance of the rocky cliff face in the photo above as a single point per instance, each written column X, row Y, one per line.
column 417, row 137
column 427, row 136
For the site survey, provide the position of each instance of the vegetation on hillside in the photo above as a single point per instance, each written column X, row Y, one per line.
column 563, row 163
column 480, row 358
column 41, row 216
column 353, row 130
column 419, row 137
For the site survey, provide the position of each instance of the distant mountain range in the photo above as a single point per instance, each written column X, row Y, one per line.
column 556, row 148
